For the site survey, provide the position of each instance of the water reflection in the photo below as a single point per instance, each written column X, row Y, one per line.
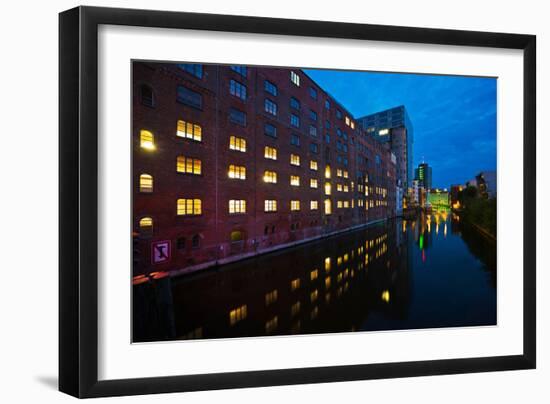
column 402, row 274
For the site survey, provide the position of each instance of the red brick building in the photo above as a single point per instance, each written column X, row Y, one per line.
column 231, row 161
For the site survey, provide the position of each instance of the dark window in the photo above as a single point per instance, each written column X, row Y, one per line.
column 189, row 97
column 338, row 145
column 270, row 87
column 327, row 138
column 270, row 107
column 339, row 159
column 313, row 93
column 237, row 117
column 147, row 96
column 314, row 148
column 295, row 120
column 266, row 230
column 377, row 160
column 345, row 147
column 192, row 68
column 237, row 89
column 294, row 103
column 180, row 243
column 327, row 124
column 345, row 135
column 312, row 131
column 346, row 161
column 327, row 153
column 270, row 130
column 338, row 132
column 239, row 69
column 338, row 114
column 294, row 140
column 272, row 229
column 196, row 241
column 327, row 104
column 313, row 115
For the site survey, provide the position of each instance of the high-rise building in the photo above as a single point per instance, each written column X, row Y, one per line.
column 423, row 173
column 395, row 127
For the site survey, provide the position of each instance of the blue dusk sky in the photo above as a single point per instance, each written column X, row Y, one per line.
column 454, row 118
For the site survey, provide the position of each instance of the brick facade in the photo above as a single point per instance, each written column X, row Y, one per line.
column 212, row 97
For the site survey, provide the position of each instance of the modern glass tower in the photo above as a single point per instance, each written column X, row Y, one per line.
column 424, row 175
column 394, row 126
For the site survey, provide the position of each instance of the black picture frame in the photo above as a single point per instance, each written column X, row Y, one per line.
column 78, row 196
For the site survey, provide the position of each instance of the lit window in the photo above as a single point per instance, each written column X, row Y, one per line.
column 294, row 159
column 237, row 89
column 295, row 284
column 295, row 78
column 313, row 165
column 352, row 125
column 237, row 314
column 327, row 282
column 346, row 204
column 327, row 171
column 189, row 207
column 237, row 206
column 270, row 205
column 313, row 182
column 270, row 177
column 338, row 172
column 271, row 325
column 339, row 187
column 327, row 262
column 236, row 235
column 346, row 188
column 328, row 188
column 314, row 274
column 237, row 172
column 237, row 143
column 346, row 174
column 189, row 130
column 295, row 308
column 271, row 297
column 313, row 205
column 339, row 204
column 147, row 140
column 294, row 205
column 295, row 180
column 347, row 120
column 146, row 224
column 188, row 165
column 328, row 207
column 313, row 295
column 145, row 183
column 270, row 153
column 383, row 132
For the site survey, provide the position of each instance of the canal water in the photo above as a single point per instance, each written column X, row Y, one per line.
column 429, row 272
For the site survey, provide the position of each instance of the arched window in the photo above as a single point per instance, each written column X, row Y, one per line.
column 236, row 235
column 327, row 171
column 328, row 188
column 196, row 241
column 146, row 140
column 328, row 207
column 147, row 98
column 146, row 224
column 145, row 183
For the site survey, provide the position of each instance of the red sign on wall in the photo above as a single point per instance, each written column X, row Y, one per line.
column 160, row 252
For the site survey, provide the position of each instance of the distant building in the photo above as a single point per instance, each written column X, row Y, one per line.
column 487, row 184
column 455, row 190
column 438, row 198
column 394, row 126
column 415, row 192
column 423, row 173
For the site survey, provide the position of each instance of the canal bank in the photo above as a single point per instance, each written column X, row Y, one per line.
column 267, row 250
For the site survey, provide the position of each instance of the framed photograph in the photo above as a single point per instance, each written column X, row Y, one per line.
column 251, row 201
